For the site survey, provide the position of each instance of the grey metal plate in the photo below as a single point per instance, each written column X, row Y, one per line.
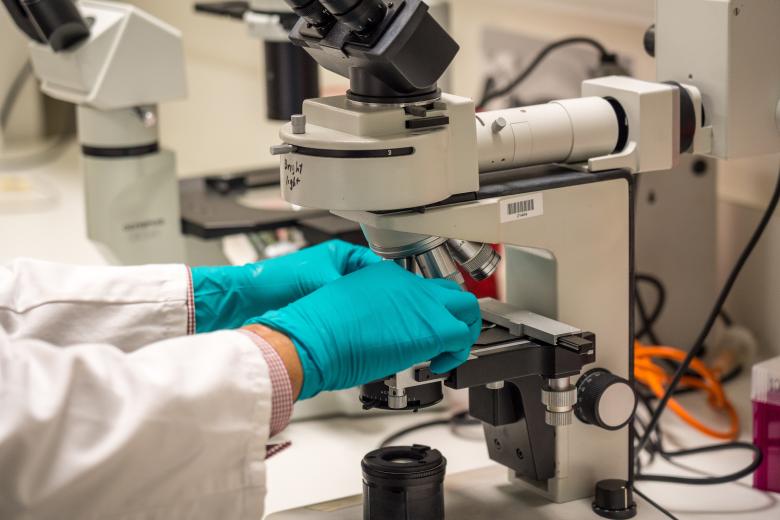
column 483, row 494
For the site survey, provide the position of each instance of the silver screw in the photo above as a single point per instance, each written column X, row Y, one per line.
column 498, row 125
column 147, row 116
column 282, row 149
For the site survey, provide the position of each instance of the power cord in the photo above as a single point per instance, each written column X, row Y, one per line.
column 707, row 481
column 649, row 319
column 713, row 316
column 9, row 101
column 490, row 93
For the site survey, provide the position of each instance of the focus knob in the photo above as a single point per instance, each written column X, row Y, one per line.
column 614, row 499
column 605, row 400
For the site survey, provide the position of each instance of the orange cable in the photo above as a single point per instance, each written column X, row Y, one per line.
column 654, row 376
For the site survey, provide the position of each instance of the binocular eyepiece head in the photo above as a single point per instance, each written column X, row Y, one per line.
column 359, row 15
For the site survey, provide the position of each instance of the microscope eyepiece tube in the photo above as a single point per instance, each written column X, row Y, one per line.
column 564, row 131
column 59, row 22
column 313, row 12
column 358, row 15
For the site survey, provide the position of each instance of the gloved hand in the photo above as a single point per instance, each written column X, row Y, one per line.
column 376, row 322
column 225, row 297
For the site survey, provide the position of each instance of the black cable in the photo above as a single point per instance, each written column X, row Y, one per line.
column 649, row 319
column 6, row 107
column 401, row 433
column 656, row 448
column 713, row 316
column 653, row 317
column 655, row 504
column 489, row 94
column 459, row 419
column 707, row 481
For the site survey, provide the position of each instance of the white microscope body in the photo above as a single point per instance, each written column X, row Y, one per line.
column 117, row 76
column 418, row 169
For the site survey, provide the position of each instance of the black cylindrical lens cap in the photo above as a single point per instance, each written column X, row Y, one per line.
column 59, row 22
column 403, row 483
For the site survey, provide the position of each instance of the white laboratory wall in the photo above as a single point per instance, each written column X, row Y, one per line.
column 221, row 126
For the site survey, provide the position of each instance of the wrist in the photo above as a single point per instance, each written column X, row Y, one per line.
column 287, row 352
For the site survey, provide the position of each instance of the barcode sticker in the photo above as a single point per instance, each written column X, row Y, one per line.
column 522, row 206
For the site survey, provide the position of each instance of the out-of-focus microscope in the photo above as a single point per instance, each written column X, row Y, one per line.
column 432, row 183
column 117, row 64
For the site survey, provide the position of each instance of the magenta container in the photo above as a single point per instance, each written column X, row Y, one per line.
column 766, row 423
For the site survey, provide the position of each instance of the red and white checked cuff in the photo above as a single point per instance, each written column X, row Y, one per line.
column 190, row 304
column 281, row 387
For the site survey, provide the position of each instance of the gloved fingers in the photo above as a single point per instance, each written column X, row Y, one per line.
column 449, row 361
column 358, row 257
column 445, row 284
column 475, row 329
column 463, row 305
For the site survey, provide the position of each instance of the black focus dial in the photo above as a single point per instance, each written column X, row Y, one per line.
column 604, row 400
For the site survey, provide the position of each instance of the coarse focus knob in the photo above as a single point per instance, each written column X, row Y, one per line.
column 614, row 499
column 605, row 400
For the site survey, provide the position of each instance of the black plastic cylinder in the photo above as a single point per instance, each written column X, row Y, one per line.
column 403, row 483
column 359, row 15
column 59, row 22
column 291, row 76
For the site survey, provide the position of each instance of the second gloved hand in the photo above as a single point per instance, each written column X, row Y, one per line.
column 225, row 297
column 376, row 322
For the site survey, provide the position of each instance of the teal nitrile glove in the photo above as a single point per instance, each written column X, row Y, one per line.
column 226, row 297
column 375, row 322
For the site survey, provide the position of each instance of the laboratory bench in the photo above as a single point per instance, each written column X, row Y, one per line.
column 323, row 463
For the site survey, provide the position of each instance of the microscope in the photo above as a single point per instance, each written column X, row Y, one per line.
column 432, row 183
column 116, row 63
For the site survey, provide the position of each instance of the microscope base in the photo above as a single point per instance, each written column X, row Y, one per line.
column 483, row 494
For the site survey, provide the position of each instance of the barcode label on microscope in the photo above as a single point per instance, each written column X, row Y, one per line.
column 523, row 206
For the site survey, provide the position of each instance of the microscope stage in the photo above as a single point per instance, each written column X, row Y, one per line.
column 483, row 494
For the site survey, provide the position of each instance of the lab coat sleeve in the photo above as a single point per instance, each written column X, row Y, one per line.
column 176, row 429
column 127, row 307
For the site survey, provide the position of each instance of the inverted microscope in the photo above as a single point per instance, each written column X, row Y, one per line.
column 432, row 183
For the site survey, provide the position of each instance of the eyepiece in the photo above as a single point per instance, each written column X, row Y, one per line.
column 58, row 22
column 358, row 15
column 313, row 12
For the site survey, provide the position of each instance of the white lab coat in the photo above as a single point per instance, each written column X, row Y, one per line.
column 109, row 411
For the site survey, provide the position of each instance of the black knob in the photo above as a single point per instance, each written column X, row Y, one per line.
column 614, row 499
column 649, row 41
column 604, row 400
